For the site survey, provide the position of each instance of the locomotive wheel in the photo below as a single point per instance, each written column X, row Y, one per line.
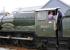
column 41, row 44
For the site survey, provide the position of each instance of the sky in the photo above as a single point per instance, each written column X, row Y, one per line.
column 11, row 5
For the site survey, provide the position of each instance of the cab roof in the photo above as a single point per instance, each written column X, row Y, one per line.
column 46, row 9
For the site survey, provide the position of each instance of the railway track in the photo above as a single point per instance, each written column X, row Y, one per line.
column 7, row 47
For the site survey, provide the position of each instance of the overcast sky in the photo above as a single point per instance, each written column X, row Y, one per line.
column 10, row 5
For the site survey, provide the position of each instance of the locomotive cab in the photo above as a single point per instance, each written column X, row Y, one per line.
column 46, row 22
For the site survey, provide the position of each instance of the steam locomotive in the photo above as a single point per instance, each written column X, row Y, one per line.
column 25, row 30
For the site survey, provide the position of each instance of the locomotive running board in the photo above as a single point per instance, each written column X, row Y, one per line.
column 28, row 38
column 18, row 38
